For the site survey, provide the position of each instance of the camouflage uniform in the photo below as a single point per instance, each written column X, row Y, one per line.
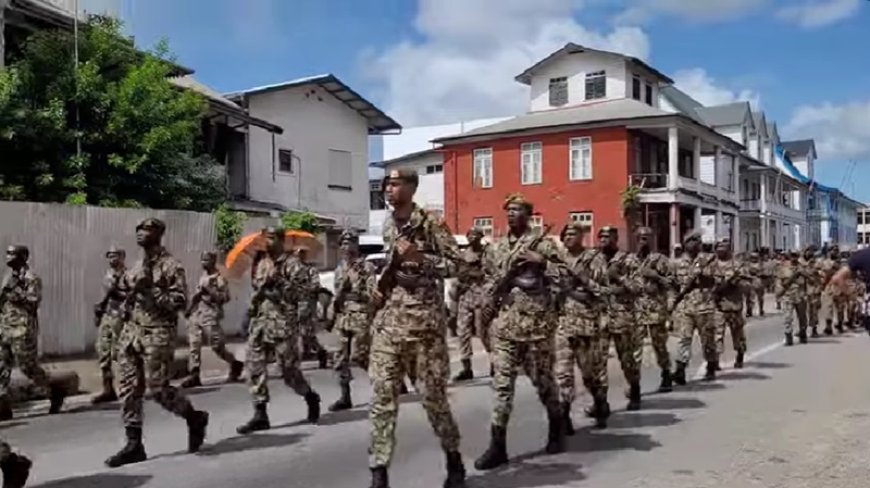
column 206, row 319
column 696, row 311
column 768, row 280
column 814, row 293
column 111, row 320
column 357, row 280
column 472, row 293
column 753, row 291
column 307, row 312
column 652, row 304
column 831, row 295
column 791, row 289
column 15, row 467
column 731, row 278
column 410, row 329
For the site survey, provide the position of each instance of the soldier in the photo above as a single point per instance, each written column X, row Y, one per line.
column 678, row 251
column 15, row 467
column 308, row 309
column 275, row 330
column 204, row 317
column 19, row 328
column 109, row 320
column 731, row 277
column 815, row 276
column 470, row 287
column 524, row 318
column 831, row 294
column 652, row 303
column 694, row 307
column 352, row 304
column 158, row 293
column 768, row 277
column 754, row 289
column 791, row 289
column 410, row 327
column 579, row 337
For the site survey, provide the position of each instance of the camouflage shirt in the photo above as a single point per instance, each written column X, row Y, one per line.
column 22, row 293
column 730, row 276
column 353, row 294
column 580, row 312
column 115, row 287
column 473, row 268
column 654, row 274
column 214, row 294
column 791, row 281
column 158, row 304
column 828, row 267
column 753, row 271
column 695, row 275
column 618, row 276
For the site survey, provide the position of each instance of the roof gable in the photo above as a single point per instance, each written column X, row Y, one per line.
column 802, row 147
column 571, row 48
column 737, row 113
column 760, row 124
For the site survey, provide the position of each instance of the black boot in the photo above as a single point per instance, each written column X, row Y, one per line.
column 828, row 327
column 492, row 366
column 380, row 478
column 16, row 469
column 403, row 388
column 466, row 373
column 108, row 394
column 633, row 397
column 236, row 368
column 197, row 421
column 738, row 361
column 132, row 452
column 192, row 380
column 601, row 410
column 840, row 328
column 712, row 367
column 802, row 337
column 496, row 453
column 455, row 471
column 5, row 410
column 56, row 396
column 667, row 384
column 344, row 402
column 789, row 339
column 814, row 332
column 555, row 434
column 680, row 373
column 322, row 358
column 566, row 418
column 312, row 399
column 260, row 420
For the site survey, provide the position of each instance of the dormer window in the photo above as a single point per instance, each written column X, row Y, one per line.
column 649, row 94
column 596, row 85
column 558, row 91
column 635, row 87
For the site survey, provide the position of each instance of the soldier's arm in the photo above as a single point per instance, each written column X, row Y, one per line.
column 33, row 293
column 447, row 257
column 173, row 295
column 222, row 289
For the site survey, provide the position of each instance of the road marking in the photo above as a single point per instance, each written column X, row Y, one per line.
column 702, row 370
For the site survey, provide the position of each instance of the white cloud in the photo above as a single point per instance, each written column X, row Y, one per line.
column 840, row 131
column 819, row 13
column 465, row 66
column 641, row 11
column 705, row 89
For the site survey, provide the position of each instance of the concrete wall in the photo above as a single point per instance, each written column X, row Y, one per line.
column 67, row 250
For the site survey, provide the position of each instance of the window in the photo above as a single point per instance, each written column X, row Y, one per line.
column 340, row 170
column 376, row 196
column 484, row 224
column 649, row 94
column 285, row 161
column 483, row 168
column 434, row 168
column 582, row 218
column 581, row 159
column 536, row 222
column 596, row 85
column 635, row 87
column 558, row 91
column 530, row 163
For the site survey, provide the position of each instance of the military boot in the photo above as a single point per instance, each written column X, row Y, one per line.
column 828, row 327
column 56, row 396
column 496, row 454
column 312, row 399
column 466, row 373
column 260, row 420
column 802, row 337
column 712, row 367
column 789, row 339
column 633, row 397
column 555, row 434
column 236, row 368
column 840, row 328
column 192, row 380
column 566, row 418
column 680, row 373
column 344, row 402
column 108, row 394
column 197, row 421
column 132, row 452
column 455, row 471
column 667, row 384
column 601, row 409
column 814, row 332
column 738, row 361
column 5, row 409
column 16, row 469
column 322, row 358
column 403, row 388
column 380, row 479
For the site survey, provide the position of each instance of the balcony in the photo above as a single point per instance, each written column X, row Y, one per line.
column 750, row 205
column 649, row 181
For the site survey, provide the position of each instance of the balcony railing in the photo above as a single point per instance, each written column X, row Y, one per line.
column 648, row 181
column 750, row 205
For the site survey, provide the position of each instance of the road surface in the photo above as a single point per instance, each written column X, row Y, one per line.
column 794, row 417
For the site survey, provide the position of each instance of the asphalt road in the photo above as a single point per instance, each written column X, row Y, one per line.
column 702, row 423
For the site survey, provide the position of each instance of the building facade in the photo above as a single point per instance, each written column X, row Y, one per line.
column 863, row 227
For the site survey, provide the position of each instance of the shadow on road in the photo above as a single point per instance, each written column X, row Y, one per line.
column 202, row 390
column 521, row 473
column 743, row 375
column 671, row 403
column 105, row 480
column 12, row 423
column 589, row 439
column 764, row 365
column 357, row 414
column 640, row 420
column 825, row 341
column 700, row 385
column 251, row 442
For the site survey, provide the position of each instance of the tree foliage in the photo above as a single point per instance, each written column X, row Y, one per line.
column 304, row 221
column 139, row 134
column 229, row 226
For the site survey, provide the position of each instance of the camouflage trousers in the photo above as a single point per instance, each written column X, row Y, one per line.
column 145, row 361
column 107, row 342
column 734, row 321
column 353, row 351
column 308, row 328
column 629, row 351
column 658, row 334
column 814, row 306
column 752, row 297
column 203, row 327
column 469, row 323
column 21, row 351
column 686, row 323
column 589, row 353
column 536, row 358
column 792, row 309
column 388, row 366
column 261, row 348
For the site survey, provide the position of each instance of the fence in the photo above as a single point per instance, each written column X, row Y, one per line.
column 67, row 250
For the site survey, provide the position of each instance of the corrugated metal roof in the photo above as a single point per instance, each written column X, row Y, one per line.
column 572, row 48
column 727, row 114
column 684, row 103
column 222, row 104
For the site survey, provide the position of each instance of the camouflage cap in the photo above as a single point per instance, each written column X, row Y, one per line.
column 723, row 242
column 116, row 250
column 575, row 226
column 678, row 246
column 644, row 231
column 519, row 199
column 474, row 231
column 348, row 235
column 692, row 235
column 152, row 223
column 608, row 230
column 406, row 175
column 18, row 250
column 208, row 255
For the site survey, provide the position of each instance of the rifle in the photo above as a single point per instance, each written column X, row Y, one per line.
column 387, row 281
column 691, row 285
column 142, row 283
column 197, row 297
column 100, row 308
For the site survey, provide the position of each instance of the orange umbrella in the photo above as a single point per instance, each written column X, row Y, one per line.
column 241, row 257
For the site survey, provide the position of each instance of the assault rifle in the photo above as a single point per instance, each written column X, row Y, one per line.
column 197, row 297
column 692, row 284
column 388, row 278
column 100, row 308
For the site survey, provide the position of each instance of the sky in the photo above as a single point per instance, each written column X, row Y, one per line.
column 803, row 62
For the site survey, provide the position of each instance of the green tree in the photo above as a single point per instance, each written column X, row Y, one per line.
column 304, row 221
column 229, row 226
column 139, row 133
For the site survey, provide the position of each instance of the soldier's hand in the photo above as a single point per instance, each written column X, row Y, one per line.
column 533, row 257
column 408, row 251
column 377, row 298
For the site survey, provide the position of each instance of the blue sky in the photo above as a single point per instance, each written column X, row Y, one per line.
column 803, row 62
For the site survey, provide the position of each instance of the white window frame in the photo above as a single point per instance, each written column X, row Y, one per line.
column 580, row 164
column 596, row 77
column 531, row 163
column 586, row 219
column 558, row 82
column 482, row 177
column 485, row 224
column 536, row 223
column 432, row 169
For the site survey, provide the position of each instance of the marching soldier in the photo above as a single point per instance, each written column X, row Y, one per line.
column 409, row 327
column 791, row 289
column 204, row 317
column 471, row 282
column 158, row 293
column 275, row 330
column 20, row 297
column 652, row 303
column 110, row 321
column 730, row 277
column 815, row 275
column 831, row 294
column 579, row 336
column 522, row 329
column 15, row 467
column 307, row 310
column 754, row 290
column 694, row 307
column 352, row 304
column 769, row 266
